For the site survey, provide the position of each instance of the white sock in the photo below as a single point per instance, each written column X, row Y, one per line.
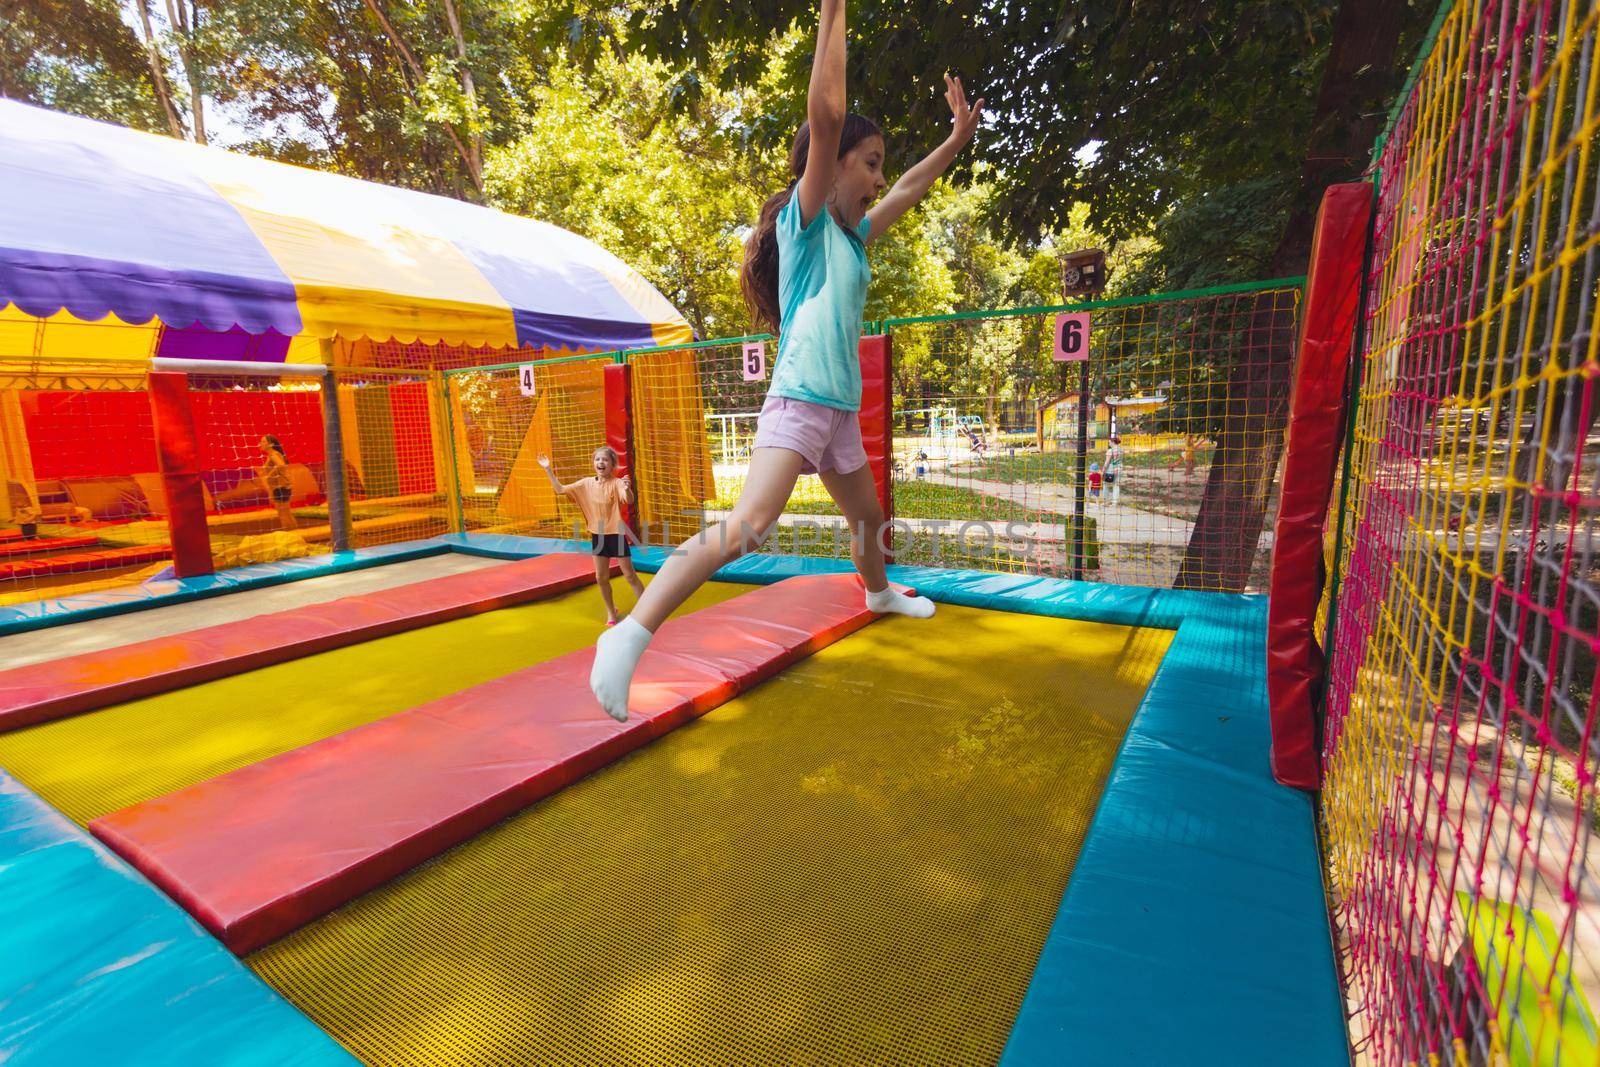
column 616, row 655
column 889, row 600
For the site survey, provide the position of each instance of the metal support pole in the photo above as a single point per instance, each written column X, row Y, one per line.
column 240, row 366
column 333, row 454
column 1082, row 481
column 455, row 509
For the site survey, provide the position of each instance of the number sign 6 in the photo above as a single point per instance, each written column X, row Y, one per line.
column 1072, row 336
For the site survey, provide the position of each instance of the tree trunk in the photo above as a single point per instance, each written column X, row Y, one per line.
column 1357, row 82
column 1244, row 461
column 419, row 76
column 185, row 28
column 475, row 145
column 158, row 74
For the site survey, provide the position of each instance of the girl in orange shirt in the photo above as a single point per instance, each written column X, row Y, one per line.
column 601, row 499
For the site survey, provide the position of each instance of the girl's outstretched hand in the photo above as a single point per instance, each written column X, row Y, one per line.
column 544, row 461
column 915, row 183
column 966, row 116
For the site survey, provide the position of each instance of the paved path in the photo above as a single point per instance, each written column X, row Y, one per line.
column 1118, row 523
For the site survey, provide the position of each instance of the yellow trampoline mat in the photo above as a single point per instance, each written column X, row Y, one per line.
column 95, row 763
column 855, row 863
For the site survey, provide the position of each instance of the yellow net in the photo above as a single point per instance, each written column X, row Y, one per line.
column 1460, row 755
column 506, row 424
column 1151, row 462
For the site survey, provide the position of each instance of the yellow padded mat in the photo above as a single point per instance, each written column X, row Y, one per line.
column 95, row 763
column 855, row 863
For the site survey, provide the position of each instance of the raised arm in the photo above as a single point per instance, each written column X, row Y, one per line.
column 825, row 111
column 544, row 461
column 915, row 183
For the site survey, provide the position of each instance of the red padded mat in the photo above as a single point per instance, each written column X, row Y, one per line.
column 259, row 852
column 62, row 687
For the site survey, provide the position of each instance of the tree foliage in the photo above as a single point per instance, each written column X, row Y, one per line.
column 77, row 56
column 1133, row 109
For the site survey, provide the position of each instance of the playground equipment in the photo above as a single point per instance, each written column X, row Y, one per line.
column 401, row 810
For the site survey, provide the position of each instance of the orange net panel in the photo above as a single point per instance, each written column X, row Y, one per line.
column 695, row 425
column 263, row 503
column 692, row 448
column 394, row 430
column 81, row 506
column 500, row 426
column 417, row 355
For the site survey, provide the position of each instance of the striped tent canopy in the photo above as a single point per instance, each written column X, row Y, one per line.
column 197, row 251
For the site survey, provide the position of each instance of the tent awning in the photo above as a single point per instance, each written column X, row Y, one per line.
column 98, row 220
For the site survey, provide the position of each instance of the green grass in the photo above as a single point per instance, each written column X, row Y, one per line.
column 1057, row 468
column 934, row 500
column 912, row 500
column 1061, row 468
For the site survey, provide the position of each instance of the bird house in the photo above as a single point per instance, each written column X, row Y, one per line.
column 1083, row 273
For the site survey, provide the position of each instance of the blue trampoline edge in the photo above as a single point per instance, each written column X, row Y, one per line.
column 98, row 966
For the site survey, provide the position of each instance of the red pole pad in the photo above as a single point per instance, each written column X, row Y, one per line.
column 619, row 433
column 1295, row 661
column 178, row 459
column 877, row 414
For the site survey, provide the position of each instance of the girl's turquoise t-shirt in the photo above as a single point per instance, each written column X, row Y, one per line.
column 822, row 289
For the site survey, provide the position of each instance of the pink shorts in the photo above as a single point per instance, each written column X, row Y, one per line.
column 826, row 438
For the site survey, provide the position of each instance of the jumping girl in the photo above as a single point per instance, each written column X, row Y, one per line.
column 805, row 275
column 601, row 500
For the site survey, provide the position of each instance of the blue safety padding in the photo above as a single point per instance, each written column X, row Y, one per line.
column 1194, row 928
column 158, row 593
column 98, row 967
column 751, row 570
column 510, row 546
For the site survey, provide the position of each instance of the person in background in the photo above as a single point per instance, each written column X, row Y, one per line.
column 275, row 476
column 1095, row 478
column 1187, row 457
column 1113, row 471
column 601, row 500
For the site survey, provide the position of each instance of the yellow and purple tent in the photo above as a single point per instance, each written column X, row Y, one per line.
column 197, row 251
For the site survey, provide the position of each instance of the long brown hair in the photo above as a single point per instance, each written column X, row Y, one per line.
column 759, row 277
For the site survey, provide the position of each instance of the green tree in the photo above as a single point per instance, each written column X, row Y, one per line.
column 76, row 56
column 608, row 156
column 1136, row 110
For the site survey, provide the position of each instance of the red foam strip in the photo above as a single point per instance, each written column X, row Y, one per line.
column 259, row 852
column 1295, row 662
column 877, row 414
column 178, row 458
column 62, row 687
column 45, row 544
column 80, row 562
